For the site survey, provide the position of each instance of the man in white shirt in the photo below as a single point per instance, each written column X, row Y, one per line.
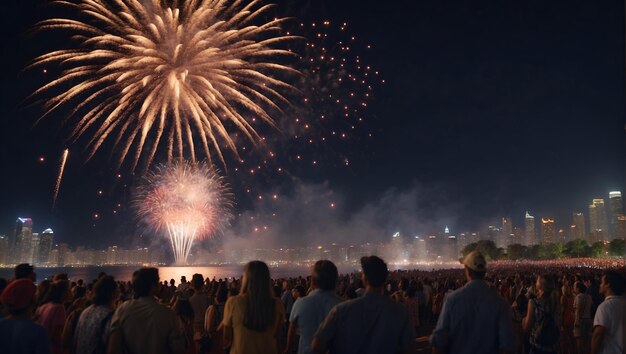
column 609, row 323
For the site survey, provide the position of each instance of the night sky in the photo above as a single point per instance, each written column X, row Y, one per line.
column 487, row 110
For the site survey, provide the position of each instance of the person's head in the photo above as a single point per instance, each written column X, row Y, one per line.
column 257, row 288
column 105, row 291
column 325, row 275
column 79, row 292
column 3, row 284
column 59, row 293
column 566, row 290
column 197, row 281
column 25, row 271
column 374, row 271
column 19, row 297
column 286, row 285
column 579, row 287
column 475, row 265
column 183, row 309
column 172, row 282
column 221, row 295
column 298, row 291
column 146, row 282
column 545, row 285
column 183, row 279
column 612, row 283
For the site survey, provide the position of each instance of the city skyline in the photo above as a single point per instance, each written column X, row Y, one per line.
column 26, row 246
column 456, row 113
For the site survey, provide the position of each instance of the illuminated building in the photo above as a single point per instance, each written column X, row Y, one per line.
column 529, row 232
column 46, row 240
column 397, row 251
column 33, row 252
column 620, row 227
column 506, row 232
column 548, row 232
column 4, row 249
column 616, row 205
column 577, row 229
column 419, row 249
column 517, row 236
column 23, row 240
column 452, row 246
column 598, row 222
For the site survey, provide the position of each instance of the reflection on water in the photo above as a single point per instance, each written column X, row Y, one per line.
column 125, row 273
column 165, row 273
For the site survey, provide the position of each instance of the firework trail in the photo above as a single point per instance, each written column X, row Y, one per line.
column 168, row 76
column 57, row 185
column 186, row 201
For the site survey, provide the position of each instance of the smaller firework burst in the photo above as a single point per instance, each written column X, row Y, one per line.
column 186, row 201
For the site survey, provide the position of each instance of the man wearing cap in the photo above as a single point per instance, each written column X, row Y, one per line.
column 474, row 319
column 18, row 332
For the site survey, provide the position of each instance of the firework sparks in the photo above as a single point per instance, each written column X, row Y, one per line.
column 186, row 200
column 57, row 185
column 183, row 76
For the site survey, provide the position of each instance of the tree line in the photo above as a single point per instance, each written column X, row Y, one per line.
column 573, row 249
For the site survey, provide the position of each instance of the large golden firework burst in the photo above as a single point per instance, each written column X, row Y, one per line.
column 172, row 75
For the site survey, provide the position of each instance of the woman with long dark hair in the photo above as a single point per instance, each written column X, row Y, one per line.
column 542, row 316
column 253, row 319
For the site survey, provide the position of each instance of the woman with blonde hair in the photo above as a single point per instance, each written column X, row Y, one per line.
column 254, row 318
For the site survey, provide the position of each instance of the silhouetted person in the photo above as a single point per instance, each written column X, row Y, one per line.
column 142, row 325
column 609, row 323
column 372, row 323
column 18, row 332
column 310, row 311
column 474, row 319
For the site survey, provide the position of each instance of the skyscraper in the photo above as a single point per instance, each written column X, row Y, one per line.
column 4, row 249
column 578, row 227
column 616, row 205
column 45, row 246
column 530, row 236
column 620, row 227
column 33, row 251
column 548, row 231
column 506, row 232
column 23, row 240
column 598, row 222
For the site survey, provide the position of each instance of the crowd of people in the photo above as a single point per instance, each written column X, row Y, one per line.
column 511, row 307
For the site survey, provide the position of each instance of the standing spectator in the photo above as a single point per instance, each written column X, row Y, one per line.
column 310, row 311
column 582, row 318
column 18, row 332
column 51, row 315
column 185, row 316
column 412, row 305
column 297, row 292
column 254, row 318
column 199, row 303
column 567, row 321
column 92, row 330
column 474, row 319
column 142, row 325
column 372, row 323
column 609, row 327
column 212, row 320
column 184, row 285
column 287, row 298
column 25, row 271
column 540, row 320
